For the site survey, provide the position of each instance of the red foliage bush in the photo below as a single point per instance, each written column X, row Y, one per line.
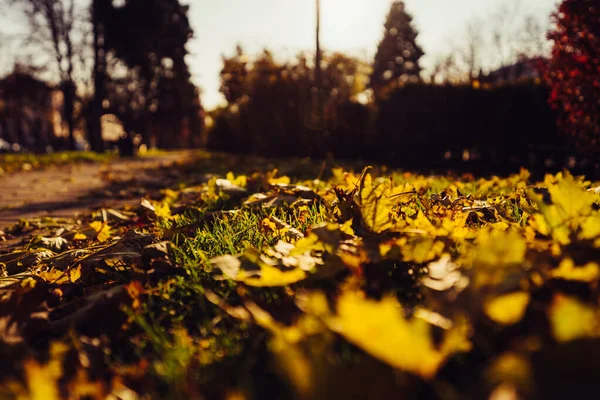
column 573, row 71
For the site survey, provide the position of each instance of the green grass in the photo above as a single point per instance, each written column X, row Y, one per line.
column 232, row 234
column 27, row 161
column 13, row 162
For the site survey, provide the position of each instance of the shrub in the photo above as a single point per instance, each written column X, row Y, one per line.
column 573, row 71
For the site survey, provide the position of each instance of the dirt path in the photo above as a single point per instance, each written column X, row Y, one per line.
column 68, row 191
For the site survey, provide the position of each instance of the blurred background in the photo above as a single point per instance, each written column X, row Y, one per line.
column 423, row 84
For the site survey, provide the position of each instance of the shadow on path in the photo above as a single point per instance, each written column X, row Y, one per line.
column 69, row 191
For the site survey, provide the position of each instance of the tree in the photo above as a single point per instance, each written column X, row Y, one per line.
column 234, row 76
column 532, row 38
column 271, row 104
column 343, row 77
column 505, row 32
column 3, row 51
column 573, row 71
column 447, row 70
column 398, row 54
column 318, row 69
column 100, row 11
column 471, row 55
column 462, row 63
column 52, row 25
column 148, row 83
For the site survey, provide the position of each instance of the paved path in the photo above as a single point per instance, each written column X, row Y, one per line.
column 67, row 191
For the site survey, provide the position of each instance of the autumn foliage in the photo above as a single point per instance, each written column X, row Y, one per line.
column 573, row 71
column 293, row 280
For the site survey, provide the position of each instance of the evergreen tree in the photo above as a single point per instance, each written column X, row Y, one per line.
column 398, row 54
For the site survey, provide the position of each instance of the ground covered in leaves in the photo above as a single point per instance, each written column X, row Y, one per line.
column 310, row 282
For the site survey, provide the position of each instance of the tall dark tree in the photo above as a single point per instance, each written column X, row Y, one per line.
column 147, row 80
column 398, row 54
column 100, row 12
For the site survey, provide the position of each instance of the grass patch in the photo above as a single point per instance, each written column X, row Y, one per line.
column 27, row 161
column 14, row 162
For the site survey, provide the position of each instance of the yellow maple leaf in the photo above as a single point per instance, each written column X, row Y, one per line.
column 268, row 224
column 373, row 199
column 102, row 231
column 570, row 207
column 421, row 249
column 240, row 181
column 53, row 275
column 82, row 387
column 568, row 271
column 162, row 210
column 570, row 197
column 75, row 273
column 421, row 223
column 262, row 271
column 507, row 309
column 61, row 277
column 42, row 379
column 80, row 236
column 286, row 344
column 571, row 319
column 380, row 328
column 499, row 248
column 590, row 228
column 282, row 180
column 510, row 367
column 272, row 276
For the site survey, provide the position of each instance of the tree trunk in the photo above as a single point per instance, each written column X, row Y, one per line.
column 99, row 76
column 68, row 110
column 318, row 72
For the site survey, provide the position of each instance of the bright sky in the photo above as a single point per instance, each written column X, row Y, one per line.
column 356, row 26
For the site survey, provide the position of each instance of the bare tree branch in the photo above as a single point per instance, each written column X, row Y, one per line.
column 52, row 28
column 472, row 53
column 505, row 32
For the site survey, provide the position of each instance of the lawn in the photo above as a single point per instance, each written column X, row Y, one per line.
column 13, row 162
column 292, row 279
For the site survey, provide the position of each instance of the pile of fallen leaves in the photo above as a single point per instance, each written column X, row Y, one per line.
column 367, row 285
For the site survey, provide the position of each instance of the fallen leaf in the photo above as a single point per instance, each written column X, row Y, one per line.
column 568, row 271
column 507, row 309
column 571, row 319
column 381, row 329
column 102, row 231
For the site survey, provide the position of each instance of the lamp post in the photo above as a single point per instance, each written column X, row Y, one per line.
column 318, row 72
